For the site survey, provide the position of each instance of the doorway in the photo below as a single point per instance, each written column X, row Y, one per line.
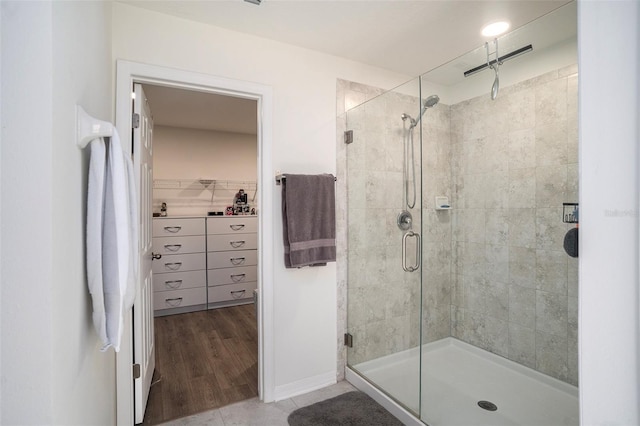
column 205, row 206
column 129, row 73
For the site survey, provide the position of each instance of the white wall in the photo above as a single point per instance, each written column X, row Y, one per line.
column 609, row 63
column 52, row 370
column 26, row 220
column 180, row 153
column 304, row 88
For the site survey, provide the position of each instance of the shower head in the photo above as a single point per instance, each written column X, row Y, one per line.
column 431, row 101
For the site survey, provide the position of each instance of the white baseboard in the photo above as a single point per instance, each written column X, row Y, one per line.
column 304, row 386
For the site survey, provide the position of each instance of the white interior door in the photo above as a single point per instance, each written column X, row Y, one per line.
column 143, row 347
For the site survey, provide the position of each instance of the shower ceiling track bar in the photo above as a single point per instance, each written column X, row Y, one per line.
column 501, row 59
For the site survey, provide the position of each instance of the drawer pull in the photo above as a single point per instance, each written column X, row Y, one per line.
column 173, row 284
column 173, row 247
column 236, row 227
column 173, row 266
column 236, row 244
column 237, row 260
column 174, row 302
column 173, row 229
column 236, row 278
column 238, row 294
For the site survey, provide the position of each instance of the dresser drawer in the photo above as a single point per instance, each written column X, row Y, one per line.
column 228, row 242
column 179, row 245
column 179, row 298
column 234, row 224
column 177, row 227
column 229, row 292
column 179, row 280
column 179, row 263
column 232, row 275
column 231, row 259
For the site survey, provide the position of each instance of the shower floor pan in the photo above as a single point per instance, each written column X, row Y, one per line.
column 456, row 376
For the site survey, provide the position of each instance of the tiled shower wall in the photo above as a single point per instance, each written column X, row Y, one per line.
column 514, row 162
column 494, row 271
column 383, row 300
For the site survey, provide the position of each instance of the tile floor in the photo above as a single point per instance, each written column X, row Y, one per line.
column 253, row 412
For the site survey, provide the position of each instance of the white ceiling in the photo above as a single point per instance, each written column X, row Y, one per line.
column 197, row 110
column 406, row 36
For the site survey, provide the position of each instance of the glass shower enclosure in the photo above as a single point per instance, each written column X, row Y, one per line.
column 461, row 302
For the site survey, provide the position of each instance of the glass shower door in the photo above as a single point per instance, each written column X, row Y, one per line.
column 384, row 224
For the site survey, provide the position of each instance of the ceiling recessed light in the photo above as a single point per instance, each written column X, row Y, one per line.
column 495, row 28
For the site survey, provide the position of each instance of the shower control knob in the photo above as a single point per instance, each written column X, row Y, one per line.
column 404, row 220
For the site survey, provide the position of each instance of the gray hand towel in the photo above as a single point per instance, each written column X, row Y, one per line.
column 309, row 220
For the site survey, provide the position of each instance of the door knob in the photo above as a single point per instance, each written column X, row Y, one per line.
column 156, row 256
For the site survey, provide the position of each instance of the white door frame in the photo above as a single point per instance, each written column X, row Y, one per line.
column 126, row 74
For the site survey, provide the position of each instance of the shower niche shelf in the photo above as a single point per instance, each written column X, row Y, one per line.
column 570, row 212
column 442, row 203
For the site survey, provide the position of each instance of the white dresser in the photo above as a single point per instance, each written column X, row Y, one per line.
column 232, row 259
column 180, row 276
column 206, row 262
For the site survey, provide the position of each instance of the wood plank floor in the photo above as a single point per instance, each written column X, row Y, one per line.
column 204, row 360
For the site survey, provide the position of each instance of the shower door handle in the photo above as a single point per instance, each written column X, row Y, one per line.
column 414, row 267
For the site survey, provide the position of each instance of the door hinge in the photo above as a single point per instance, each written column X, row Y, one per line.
column 348, row 340
column 135, row 121
column 136, row 371
column 348, row 136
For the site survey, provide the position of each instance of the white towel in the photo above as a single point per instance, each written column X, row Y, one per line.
column 111, row 238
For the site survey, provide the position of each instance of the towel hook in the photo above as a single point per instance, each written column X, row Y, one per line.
column 89, row 128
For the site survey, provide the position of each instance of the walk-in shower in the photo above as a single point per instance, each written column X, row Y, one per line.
column 481, row 328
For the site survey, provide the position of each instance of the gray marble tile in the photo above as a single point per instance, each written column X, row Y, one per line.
column 475, row 294
column 551, row 186
column 522, row 188
column 522, row 267
column 253, row 412
column 496, row 227
column 497, row 263
column 572, row 183
column 572, row 141
column 551, row 144
column 551, row 272
column 550, row 230
column 496, row 190
column 522, row 345
column 572, row 356
column 474, row 193
column 551, row 102
column 497, row 336
column 521, row 109
column 573, row 284
column 522, row 306
column 496, row 152
column 551, row 313
column 551, row 355
column 472, row 153
column 497, row 300
column 522, row 227
column 522, row 149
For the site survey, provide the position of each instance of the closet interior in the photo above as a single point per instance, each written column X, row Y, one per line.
column 205, row 243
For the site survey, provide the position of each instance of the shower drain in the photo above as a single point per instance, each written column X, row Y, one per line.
column 486, row 405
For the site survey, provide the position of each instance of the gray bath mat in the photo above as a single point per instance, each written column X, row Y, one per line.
column 348, row 409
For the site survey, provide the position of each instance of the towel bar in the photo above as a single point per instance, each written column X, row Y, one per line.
column 89, row 128
column 281, row 177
